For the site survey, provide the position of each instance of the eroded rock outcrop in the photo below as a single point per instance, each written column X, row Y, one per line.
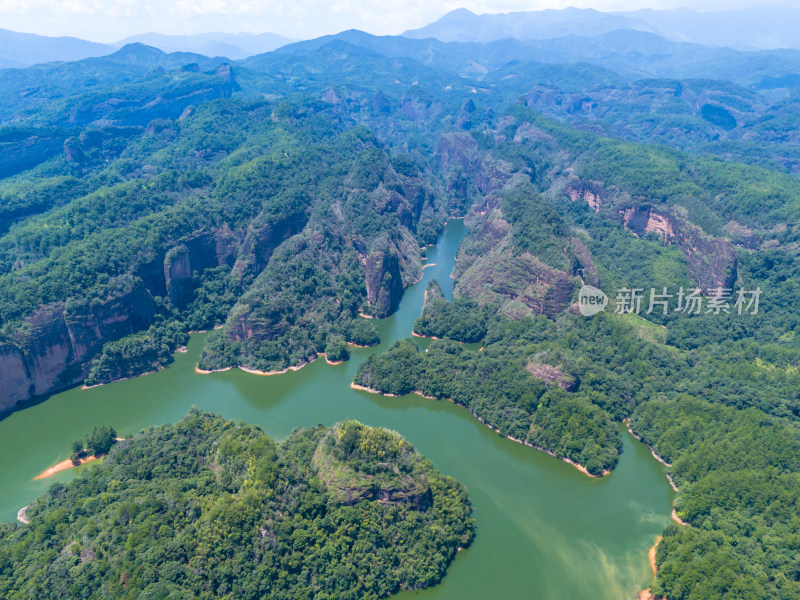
column 552, row 374
column 357, row 463
column 591, row 192
column 392, row 264
column 519, row 282
column 15, row 381
column 710, row 261
column 49, row 352
column 263, row 236
column 177, row 273
column 22, row 149
column 468, row 171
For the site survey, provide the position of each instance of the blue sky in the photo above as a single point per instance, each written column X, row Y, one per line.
column 112, row 20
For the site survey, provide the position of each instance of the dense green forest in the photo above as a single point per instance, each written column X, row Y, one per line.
column 495, row 385
column 560, row 385
column 200, row 242
column 463, row 320
column 739, row 472
column 216, row 509
column 281, row 200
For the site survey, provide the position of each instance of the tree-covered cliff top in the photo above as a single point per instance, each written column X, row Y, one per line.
column 216, row 509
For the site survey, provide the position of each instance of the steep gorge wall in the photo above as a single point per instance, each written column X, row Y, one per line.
column 710, row 261
column 50, row 351
column 390, row 267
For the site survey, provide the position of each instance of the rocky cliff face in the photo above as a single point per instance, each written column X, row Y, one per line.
column 262, row 237
column 470, row 173
column 390, row 266
column 489, row 270
column 166, row 272
column 177, row 270
column 384, row 282
column 591, row 192
column 16, row 381
column 197, row 253
column 50, row 351
column 396, row 478
column 585, row 268
column 710, row 261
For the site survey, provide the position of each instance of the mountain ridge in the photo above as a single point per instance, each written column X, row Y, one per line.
column 763, row 28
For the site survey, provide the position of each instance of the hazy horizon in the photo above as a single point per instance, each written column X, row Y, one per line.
column 111, row 21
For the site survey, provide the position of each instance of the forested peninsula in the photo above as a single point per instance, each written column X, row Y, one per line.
column 216, row 509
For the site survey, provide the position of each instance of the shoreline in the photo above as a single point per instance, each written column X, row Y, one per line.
column 425, row 337
column 269, row 373
column 578, row 466
column 651, row 555
column 179, row 350
column 678, row 520
column 22, row 515
column 433, row 337
column 63, row 466
column 655, row 455
column 97, row 385
column 200, row 371
column 354, row 345
column 330, row 362
column 362, row 388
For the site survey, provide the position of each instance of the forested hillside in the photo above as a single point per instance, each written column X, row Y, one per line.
column 216, row 508
column 281, row 200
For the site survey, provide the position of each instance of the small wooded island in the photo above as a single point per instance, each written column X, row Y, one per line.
column 216, row 509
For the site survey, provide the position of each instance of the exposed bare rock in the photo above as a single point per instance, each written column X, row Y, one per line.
column 552, row 374
column 464, row 166
column 490, row 232
column 14, row 374
column 586, row 269
column 397, row 474
column 528, row 131
column 73, row 150
column 520, row 283
column 177, row 270
column 127, row 308
column 196, row 253
column 391, row 266
column 264, row 235
column 591, row 192
column 710, row 261
column 742, row 235
column 21, row 150
column 49, row 353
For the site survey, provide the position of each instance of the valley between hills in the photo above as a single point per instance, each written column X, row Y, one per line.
column 422, row 214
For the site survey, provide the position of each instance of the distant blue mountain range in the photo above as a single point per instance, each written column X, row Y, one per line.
column 25, row 49
column 766, row 27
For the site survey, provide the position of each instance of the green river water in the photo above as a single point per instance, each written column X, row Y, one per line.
column 545, row 530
